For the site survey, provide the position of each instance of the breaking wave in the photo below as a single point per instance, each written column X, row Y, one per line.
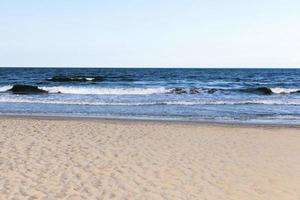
column 279, row 90
column 98, row 90
column 5, row 88
column 105, row 91
column 270, row 91
column 117, row 91
column 154, row 90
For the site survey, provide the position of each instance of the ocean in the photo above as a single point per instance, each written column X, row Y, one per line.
column 268, row 96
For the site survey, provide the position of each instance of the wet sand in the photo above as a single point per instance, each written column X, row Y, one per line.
column 48, row 158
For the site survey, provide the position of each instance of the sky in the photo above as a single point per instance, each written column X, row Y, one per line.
column 154, row 33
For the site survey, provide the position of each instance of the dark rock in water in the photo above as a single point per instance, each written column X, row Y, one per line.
column 26, row 89
column 179, row 91
column 75, row 78
column 296, row 92
column 193, row 91
column 211, row 91
column 59, row 79
column 259, row 90
column 185, row 91
column 264, row 90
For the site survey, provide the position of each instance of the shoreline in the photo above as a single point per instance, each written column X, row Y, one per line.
column 167, row 121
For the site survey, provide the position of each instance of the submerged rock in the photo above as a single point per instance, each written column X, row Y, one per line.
column 194, row 91
column 264, row 90
column 179, row 91
column 26, row 89
column 211, row 91
column 258, row 90
column 185, row 91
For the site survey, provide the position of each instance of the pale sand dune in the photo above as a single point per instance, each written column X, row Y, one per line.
column 102, row 159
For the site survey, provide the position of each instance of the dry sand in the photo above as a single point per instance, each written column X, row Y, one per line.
column 102, row 159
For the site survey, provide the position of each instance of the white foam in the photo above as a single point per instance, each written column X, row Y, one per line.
column 279, row 90
column 65, row 102
column 21, row 99
column 5, row 88
column 238, row 102
column 105, row 91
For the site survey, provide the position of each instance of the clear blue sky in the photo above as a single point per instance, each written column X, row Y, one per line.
column 203, row 33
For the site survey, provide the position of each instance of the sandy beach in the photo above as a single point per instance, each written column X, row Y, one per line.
column 112, row 159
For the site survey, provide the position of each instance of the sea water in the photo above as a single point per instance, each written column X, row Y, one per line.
column 214, row 95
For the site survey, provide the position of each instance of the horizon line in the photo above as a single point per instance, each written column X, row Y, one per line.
column 164, row 67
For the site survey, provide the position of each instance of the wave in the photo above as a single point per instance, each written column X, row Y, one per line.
column 75, row 78
column 279, row 90
column 97, row 90
column 91, row 78
column 182, row 103
column 270, row 91
column 105, row 91
column 85, row 90
column 233, row 102
column 160, row 90
column 116, row 91
column 126, row 91
column 5, row 88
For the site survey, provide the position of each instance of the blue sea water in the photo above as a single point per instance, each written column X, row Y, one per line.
column 215, row 95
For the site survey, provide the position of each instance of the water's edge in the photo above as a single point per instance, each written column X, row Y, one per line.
column 149, row 120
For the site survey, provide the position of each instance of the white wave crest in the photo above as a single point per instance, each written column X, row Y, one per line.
column 105, row 91
column 5, row 88
column 278, row 90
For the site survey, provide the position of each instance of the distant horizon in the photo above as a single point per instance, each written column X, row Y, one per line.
column 159, row 67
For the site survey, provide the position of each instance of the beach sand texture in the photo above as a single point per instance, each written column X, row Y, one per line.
column 113, row 159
